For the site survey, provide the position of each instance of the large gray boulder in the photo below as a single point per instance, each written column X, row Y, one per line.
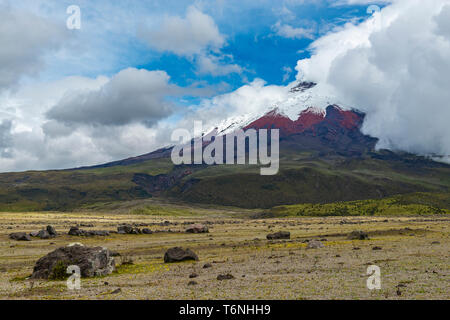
column 178, row 254
column 20, row 236
column 92, row 261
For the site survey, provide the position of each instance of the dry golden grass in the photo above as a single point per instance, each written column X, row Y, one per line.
column 262, row 269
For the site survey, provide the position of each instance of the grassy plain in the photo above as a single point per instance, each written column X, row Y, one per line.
column 414, row 257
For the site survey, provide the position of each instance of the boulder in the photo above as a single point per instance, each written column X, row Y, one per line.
column 43, row 234
column 101, row 233
column 227, row 276
column 128, row 229
column 197, row 228
column 75, row 231
column 124, row 229
column 20, row 236
column 178, row 254
column 358, row 235
column 51, row 231
column 92, row 261
column 34, row 233
column 147, row 231
column 314, row 244
column 279, row 235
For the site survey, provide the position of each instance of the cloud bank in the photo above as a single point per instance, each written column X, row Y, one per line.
column 131, row 95
column 396, row 68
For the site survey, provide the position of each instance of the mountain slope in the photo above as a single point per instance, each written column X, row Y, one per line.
column 324, row 158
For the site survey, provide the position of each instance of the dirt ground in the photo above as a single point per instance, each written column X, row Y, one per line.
column 414, row 258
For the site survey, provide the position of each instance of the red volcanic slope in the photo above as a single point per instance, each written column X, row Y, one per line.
column 307, row 120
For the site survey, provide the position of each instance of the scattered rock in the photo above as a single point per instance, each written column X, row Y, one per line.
column 227, row 276
column 20, row 236
column 315, row 244
column 193, row 275
column 85, row 225
column 92, row 261
column 178, row 254
column 356, row 248
column 147, row 231
column 435, row 242
column 192, row 283
column 197, row 228
column 118, row 290
column 128, row 229
column 75, row 231
column 43, row 234
column 207, row 265
column 51, row 231
column 358, row 235
column 377, row 248
column 279, row 235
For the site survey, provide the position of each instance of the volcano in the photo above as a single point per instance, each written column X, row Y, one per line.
column 324, row 158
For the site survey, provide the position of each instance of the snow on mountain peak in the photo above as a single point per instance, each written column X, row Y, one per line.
column 304, row 98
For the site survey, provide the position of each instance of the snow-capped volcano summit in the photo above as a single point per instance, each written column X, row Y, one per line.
column 304, row 106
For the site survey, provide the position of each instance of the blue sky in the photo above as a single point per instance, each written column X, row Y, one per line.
column 108, row 40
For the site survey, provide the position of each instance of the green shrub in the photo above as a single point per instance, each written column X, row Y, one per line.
column 59, row 271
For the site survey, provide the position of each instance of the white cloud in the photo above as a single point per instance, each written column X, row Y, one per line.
column 287, row 31
column 131, row 95
column 25, row 39
column 250, row 99
column 184, row 36
column 196, row 37
column 287, row 71
column 28, row 140
column 210, row 64
column 395, row 67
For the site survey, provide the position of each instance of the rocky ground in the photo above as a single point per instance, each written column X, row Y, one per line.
column 412, row 253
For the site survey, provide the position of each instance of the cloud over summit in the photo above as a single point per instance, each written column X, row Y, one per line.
column 395, row 67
